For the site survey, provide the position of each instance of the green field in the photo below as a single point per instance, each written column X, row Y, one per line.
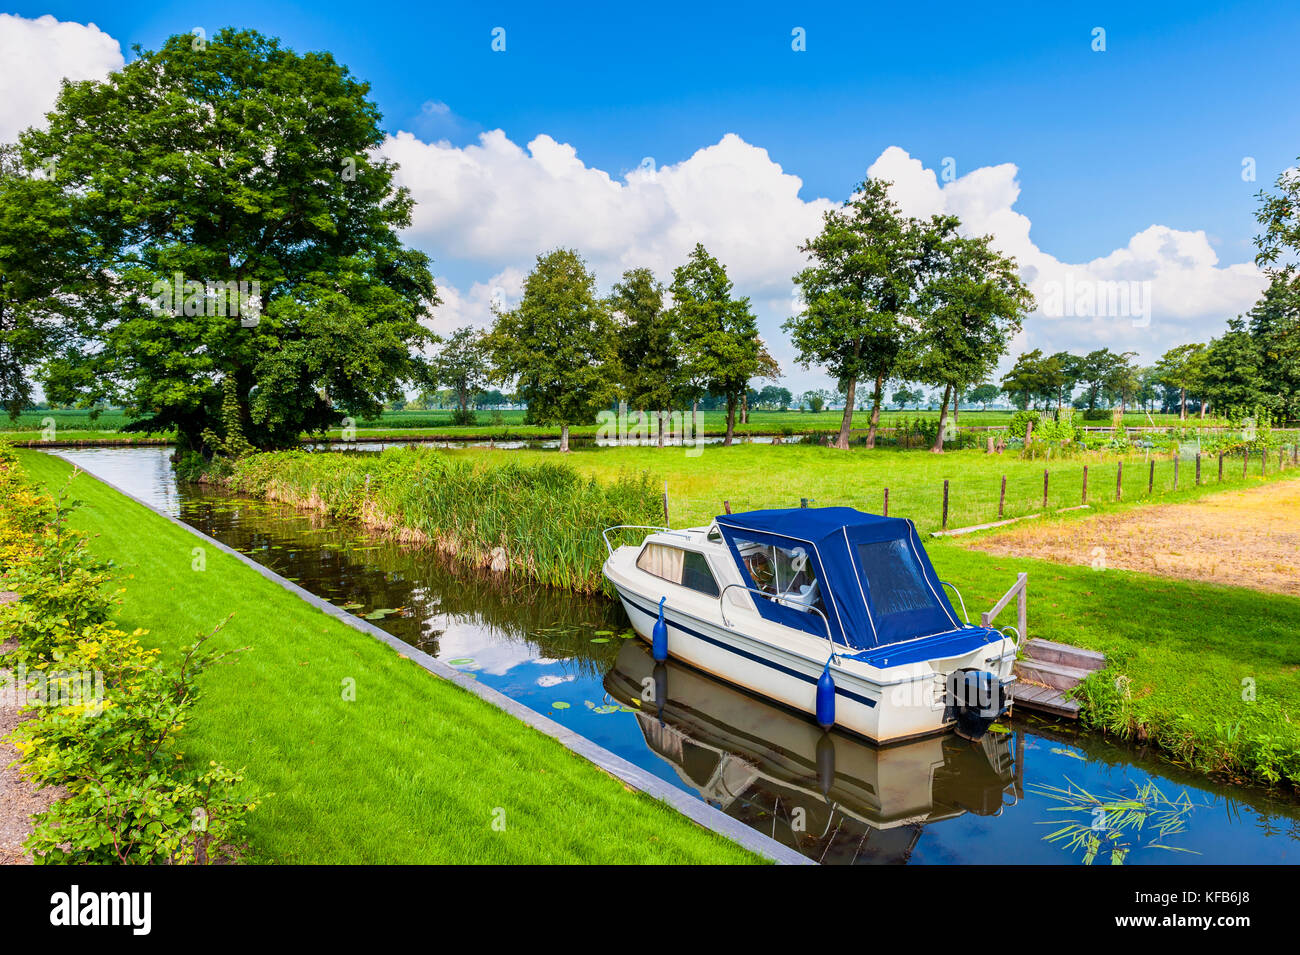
column 413, row 771
column 753, row 476
column 81, row 426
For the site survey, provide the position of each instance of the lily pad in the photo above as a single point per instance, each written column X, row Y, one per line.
column 461, row 661
column 381, row 613
column 600, row 639
column 352, row 606
column 559, row 705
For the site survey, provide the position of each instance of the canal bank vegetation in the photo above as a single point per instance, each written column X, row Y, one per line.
column 1204, row 672
column 540, row 519
column 103, row 712
column 371, row 758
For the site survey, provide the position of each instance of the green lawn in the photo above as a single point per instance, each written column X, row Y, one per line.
column 413, row 771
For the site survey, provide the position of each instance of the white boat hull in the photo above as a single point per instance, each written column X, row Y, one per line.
column 884, row 705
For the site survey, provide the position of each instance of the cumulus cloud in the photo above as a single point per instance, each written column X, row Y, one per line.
column 498, row 204
column 36, row 55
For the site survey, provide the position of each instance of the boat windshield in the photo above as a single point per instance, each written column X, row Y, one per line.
column 893, row 578
column 784, row 574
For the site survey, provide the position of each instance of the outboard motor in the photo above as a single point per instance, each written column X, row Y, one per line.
column 975, row 701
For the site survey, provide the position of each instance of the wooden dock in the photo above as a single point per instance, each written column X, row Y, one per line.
column 1049, row 669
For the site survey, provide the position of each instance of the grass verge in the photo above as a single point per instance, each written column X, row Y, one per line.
column 414, row 770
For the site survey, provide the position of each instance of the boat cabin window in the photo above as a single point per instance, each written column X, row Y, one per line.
column 784, row 573
column 678, row 566
column 894, row 578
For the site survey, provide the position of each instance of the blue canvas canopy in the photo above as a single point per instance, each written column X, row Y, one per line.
column 877, row 584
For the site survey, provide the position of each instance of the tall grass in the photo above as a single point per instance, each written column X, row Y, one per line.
column 542, row 520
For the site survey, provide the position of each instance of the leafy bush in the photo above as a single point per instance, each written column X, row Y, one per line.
column 131, row 798
column 1017, row 426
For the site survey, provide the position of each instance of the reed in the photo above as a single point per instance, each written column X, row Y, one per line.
column 541, row 520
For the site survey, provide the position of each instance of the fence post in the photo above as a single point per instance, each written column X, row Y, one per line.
column 1176, row 457
column 1151, row 477
column 945, row 503
column 885, row 512
column 1119, row 481
column 1085, row 484
column 667, row 523
column 1002, row 497
column 1220, row 467
column 1198, row 468
column 726, row 506
column 1263, row 461
column 1044, row 489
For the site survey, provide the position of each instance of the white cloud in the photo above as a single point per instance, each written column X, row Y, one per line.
column 497, row 204
column 35, row 55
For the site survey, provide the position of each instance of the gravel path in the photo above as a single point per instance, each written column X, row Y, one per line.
column 18, row 798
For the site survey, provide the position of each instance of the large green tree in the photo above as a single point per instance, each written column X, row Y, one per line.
column 1231, row 378
column 48, row 276
column 559, row 344
column 646, row 349
column 717, row 333
column 971, row 302
column 236, row 207
column 856, row 291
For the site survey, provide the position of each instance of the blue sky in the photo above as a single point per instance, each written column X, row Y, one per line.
column 1151, row 132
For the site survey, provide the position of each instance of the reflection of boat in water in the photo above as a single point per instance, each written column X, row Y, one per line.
column 834, row 797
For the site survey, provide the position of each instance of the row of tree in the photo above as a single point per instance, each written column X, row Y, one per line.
column 243, row 163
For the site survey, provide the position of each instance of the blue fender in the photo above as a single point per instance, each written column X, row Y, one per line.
column 826, row 699
column 659, row 637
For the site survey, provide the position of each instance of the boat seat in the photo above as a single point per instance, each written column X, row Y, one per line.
column 801, row 599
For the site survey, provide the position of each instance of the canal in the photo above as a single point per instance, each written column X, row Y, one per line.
column 1038, row 792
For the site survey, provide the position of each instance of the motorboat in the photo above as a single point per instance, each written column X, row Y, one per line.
column 832, row 612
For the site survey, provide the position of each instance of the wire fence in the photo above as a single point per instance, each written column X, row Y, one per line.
column 955, row 503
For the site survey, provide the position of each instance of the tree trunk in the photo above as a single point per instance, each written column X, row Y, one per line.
column 1182, row 404
column 731, row 420
column 943, row 421
column 564, row 438
column 661, row 428
column 695, row 418
column 1204, row 405
column 744, row 407
column 956, row 409
column 875, row 411
column 846, row 421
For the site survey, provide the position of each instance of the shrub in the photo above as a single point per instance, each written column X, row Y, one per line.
column 131, row 798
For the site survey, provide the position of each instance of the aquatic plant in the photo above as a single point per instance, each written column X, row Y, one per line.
column 1116, row 824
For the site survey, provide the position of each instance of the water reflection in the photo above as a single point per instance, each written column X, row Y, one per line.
column 834, row 798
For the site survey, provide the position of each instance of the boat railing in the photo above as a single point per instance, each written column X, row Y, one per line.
column 722, row 608
column 1019, row 590
column 954, row 589
column 642, row 527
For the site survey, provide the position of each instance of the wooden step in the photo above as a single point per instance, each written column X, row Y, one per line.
column 1044, row 700
column 1056, row 675
column 1049, row 652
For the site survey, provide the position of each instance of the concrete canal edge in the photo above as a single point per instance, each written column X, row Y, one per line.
column 694, row 809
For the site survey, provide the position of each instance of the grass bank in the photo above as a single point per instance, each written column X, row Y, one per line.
column 413, row 770
column 540, row 519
